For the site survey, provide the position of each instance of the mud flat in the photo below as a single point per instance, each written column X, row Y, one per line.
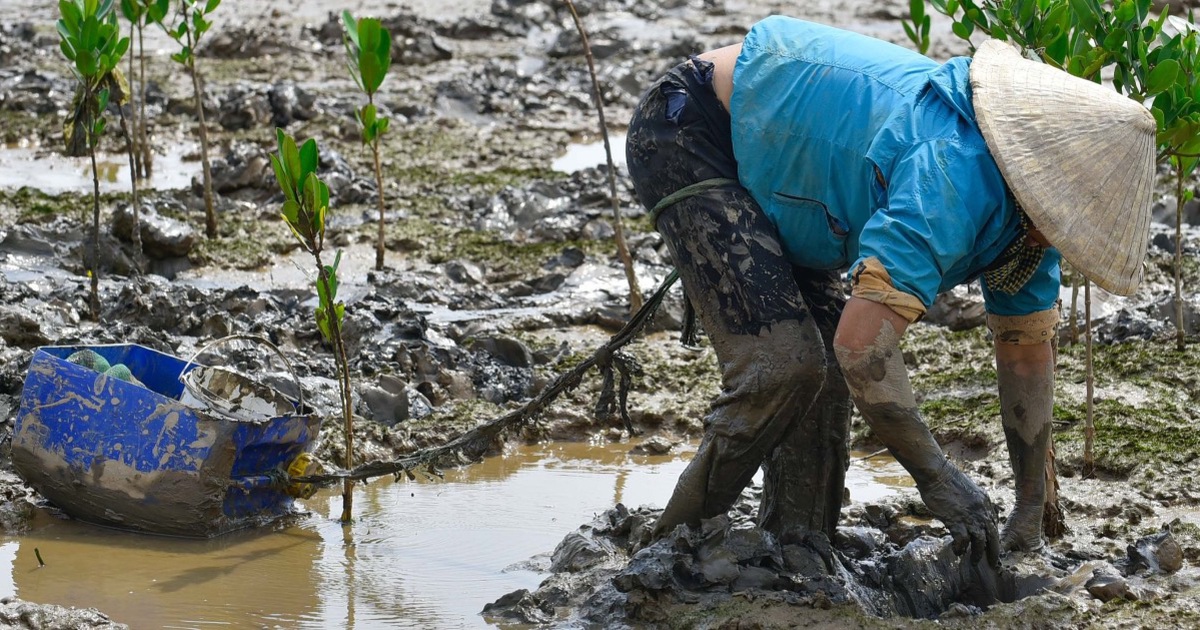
column 501, row 275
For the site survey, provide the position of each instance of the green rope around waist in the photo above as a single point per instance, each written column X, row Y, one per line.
column 688, row 191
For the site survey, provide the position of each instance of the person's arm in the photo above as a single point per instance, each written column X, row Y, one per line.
column 867, row 348
column 1025, row 376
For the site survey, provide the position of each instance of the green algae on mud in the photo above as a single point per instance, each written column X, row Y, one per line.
column 29, row 205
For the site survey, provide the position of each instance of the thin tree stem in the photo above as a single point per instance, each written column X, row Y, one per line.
column 1179, row 331
column 210, row 215
column 339, row 349
column 635, row 294
column 135, row 167
column 133, row 181
column 144, row 135
column 95, row 263
column 1089, row 431
column 380, row 245
column 1074, row 306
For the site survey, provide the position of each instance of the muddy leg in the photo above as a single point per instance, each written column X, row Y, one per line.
column 1025, row 403
column 736, row 276
column 771, row 354
column 804, row 479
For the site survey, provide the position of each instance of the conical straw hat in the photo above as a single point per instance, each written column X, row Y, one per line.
column 1078, row 156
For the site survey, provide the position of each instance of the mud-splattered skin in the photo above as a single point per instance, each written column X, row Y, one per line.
column 758, row 311
column 1025, row 375
column 867, row 347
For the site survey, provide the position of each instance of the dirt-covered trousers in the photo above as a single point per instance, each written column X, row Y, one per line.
column 784, row 404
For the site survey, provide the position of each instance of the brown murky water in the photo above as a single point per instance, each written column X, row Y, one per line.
column 421, row 555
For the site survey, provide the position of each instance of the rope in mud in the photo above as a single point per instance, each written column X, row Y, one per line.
column 470, row 447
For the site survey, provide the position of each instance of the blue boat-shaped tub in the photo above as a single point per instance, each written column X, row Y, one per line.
column 113, row 452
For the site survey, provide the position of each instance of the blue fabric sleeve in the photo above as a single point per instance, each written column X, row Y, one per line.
column 932, row 218
column 1039, row 294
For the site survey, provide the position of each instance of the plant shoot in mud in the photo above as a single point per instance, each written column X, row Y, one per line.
column 193, row 24
column 369, row 55
column 635, row 294
column 138, row 13
column 91, row 40
column 305, row 207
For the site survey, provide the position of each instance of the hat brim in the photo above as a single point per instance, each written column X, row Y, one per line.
column 1078, row 156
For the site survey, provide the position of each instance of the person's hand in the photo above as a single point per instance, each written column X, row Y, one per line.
column 967, row 513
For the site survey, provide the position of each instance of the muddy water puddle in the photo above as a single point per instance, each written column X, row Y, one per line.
column 586, row 155
column 54, row 173
column 421, row 554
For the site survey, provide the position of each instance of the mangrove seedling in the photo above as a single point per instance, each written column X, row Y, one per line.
column 91, row 40
column 305, row 207
column 192, row 26
column 635, row 294
column 138, row 13
column 369, row 55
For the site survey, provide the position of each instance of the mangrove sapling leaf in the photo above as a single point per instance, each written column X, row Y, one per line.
column 368, row 58
column 1162, row 77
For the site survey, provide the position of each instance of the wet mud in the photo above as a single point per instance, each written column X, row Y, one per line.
column 500, row 274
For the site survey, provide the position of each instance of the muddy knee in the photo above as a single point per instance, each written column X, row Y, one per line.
column 768, row 371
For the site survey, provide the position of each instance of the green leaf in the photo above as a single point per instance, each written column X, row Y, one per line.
column 201, row 25
column 1025, row 10
column 323, row 323
column 350, row 27
column 308, row 159
column 66, row 49
column 1158, row 117
column 72, row 14
column 1125, row 11
column 291, row 159
column 291, row 212
column 323, row 205
column 384, row 49
column 131, row 10
column 86, row 63
column 105, row 8
column 912, row 35
column 158, row 11
column 1162, row 77
column 962, row 29
column 282, row 177
column 102, row 100
column 916, row 9
column 121, row 48
column 212, row 6
column 1114, row 40
column 372, row 73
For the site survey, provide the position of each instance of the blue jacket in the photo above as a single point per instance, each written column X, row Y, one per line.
column 857, row 148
